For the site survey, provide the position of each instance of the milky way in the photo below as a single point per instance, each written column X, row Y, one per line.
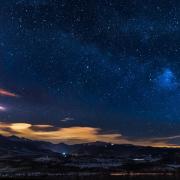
column 108, row 64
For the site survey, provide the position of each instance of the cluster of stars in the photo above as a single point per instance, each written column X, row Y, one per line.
column 107, row 63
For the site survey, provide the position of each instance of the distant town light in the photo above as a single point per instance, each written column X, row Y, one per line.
column 64, row 154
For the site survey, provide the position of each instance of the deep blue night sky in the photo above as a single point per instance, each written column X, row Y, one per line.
column 110, row 64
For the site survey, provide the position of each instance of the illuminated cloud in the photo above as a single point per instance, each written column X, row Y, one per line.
column 43, row 126
column 4, row 92
column 69, row 135
column 77, row 134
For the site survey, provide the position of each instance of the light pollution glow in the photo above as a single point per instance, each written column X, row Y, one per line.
column 77, row 134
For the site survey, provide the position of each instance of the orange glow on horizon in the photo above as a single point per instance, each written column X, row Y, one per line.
column 77, row 134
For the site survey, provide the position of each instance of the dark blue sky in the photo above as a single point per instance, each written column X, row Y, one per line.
column 111, row 64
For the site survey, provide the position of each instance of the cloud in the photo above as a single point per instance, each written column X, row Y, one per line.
column 71, row 135
column 78, row 134
column 67, row 119
column 43, row 126
column 4, row 92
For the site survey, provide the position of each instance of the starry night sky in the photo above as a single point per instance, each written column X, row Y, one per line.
column 108, row 64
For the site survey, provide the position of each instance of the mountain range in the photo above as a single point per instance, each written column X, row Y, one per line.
column 21, row 146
